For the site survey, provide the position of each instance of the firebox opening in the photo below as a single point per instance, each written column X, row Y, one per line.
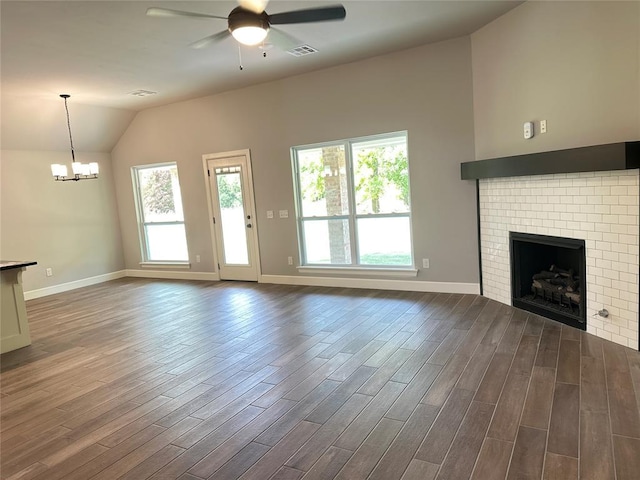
column 548, row 277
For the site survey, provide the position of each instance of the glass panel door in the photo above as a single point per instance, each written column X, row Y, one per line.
column 233, row 218
column 233, row 211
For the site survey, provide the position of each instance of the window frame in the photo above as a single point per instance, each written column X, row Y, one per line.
column 352, row 217
column 142, row 223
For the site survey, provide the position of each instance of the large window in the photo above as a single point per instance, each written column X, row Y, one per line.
column 353, row 202
column 159, row 203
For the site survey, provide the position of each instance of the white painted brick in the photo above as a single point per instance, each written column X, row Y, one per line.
column 612, row 238
column 601, row 263
column 612, row 292
column 604, row 334
column 612, row 328
column 619, row 228
column 591, row 235
column 527, row 204
column 619, row 190
column 628, row 200
column 619, row 339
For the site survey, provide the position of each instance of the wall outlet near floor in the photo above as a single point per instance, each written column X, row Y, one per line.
column 290, row 260
column 197, row 258
column 49, row 272
column 425, row 263
column 269, row 213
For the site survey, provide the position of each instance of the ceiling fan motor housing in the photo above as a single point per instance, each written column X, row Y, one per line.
column 240, row 17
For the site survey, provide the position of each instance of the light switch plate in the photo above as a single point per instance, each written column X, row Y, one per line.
column 284, row 213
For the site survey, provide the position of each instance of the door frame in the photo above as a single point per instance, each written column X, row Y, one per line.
column 250, row 201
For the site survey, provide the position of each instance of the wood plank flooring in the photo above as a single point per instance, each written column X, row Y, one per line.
column 139, row 379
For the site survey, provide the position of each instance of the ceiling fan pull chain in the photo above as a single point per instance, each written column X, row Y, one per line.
column 240, row 57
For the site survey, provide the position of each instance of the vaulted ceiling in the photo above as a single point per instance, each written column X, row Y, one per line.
column 101, row 52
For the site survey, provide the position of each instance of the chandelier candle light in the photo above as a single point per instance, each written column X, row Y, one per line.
column 81, row 171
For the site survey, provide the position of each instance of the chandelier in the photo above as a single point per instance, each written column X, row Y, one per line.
column 81, row 171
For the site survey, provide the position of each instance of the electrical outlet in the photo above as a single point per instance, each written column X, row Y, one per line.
column 425, row 263
column 49, row 272
column 197, row 258
column 284, row 213
column 290, row 260
column 269, row 213
column 543, row 126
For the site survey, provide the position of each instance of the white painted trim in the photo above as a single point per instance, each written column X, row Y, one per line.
column 65, row 287
column 250, row 197
column 178, row 265
column 381, row 284
column 362, row 271
column 173, row 275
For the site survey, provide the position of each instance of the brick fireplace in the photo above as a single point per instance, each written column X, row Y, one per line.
column 597, row 207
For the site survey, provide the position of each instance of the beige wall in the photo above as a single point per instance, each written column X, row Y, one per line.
column 574, row 64
column 71, row 227
column 426, row 91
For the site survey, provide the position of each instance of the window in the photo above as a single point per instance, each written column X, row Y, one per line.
column 353, row 202
column 162, row 233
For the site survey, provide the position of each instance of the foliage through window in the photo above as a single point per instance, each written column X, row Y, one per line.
column 160, row 215
column 353, row 202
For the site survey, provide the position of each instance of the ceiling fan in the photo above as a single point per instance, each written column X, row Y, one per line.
column 249, row 24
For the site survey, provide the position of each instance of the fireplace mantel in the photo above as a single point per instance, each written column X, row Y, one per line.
column 598, row 158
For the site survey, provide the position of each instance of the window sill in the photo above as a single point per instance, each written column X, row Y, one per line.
column 185, row 265
column 362, row 271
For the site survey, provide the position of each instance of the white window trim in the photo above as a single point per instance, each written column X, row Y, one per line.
column 166, row 264
column 142, row 236
column 351, row 217
column 375, row 271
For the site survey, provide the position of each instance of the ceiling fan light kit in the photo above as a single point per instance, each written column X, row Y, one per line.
column 250, row 24
column 248, row 28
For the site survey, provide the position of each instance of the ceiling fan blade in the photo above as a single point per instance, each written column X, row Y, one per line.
column 283, row 40
column 322, row 14
column 211, row 39
column 167, row 12
column 256, row 6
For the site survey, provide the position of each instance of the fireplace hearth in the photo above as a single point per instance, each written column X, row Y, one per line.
column 548, row 277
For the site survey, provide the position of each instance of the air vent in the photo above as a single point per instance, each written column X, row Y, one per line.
column 302, row 50
column 142, row 93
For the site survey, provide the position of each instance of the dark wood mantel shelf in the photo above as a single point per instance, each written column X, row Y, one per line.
column 598, row 158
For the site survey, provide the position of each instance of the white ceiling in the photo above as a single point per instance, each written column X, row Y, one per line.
column 101, row 51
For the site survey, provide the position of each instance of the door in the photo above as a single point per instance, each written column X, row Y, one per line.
column 233, row 211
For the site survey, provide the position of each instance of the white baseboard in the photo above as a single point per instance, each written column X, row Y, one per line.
column 65, row 287
column 173, row 275
column 378, row 284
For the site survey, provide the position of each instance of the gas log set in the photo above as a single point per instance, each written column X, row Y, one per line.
column 558, row 286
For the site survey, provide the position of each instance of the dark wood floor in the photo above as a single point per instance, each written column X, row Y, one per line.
column 144, row 379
